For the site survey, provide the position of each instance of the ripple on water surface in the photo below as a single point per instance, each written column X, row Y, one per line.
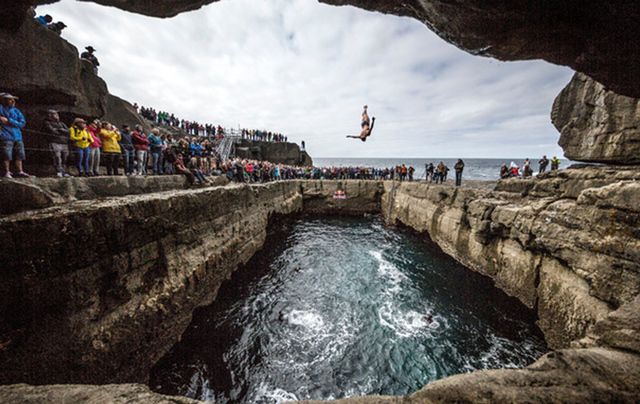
column 337, row 307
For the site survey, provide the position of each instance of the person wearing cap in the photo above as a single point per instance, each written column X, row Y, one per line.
column 128, row 151
column 81, row 139
column 88, row 55
column 11, row 122
column 58, row 137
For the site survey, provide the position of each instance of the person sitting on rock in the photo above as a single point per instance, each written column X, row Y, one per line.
column 44, row 20
column 180, row 168
column 88, row 55
column 58, row 138
column 57, row 27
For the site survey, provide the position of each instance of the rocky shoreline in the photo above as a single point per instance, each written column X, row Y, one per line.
column 565, row 244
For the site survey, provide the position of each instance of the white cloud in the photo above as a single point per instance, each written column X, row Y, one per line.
column 306, row 69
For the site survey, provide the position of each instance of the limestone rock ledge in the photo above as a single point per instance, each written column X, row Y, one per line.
column 96, row 291
column 110, row 393
column 567, row 244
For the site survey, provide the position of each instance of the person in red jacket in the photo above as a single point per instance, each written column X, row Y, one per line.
column 141, row 144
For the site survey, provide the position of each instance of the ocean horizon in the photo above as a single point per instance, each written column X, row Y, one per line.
column 475, row 168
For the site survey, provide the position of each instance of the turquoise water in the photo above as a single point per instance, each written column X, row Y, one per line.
column 336, row 307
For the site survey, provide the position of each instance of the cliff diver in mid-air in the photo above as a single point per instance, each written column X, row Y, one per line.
column 367, row 126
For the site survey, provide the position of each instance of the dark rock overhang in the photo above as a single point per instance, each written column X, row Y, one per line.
column 597, row 38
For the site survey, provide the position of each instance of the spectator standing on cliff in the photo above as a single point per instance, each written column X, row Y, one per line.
column 543, row 163
column 155, row 146
column 429, row 170
column 94, row 129
column 81, row 139
column 411, row 171
column 527, row 171
column 442, row 173
column 504, row 171
column 58, row 139
column 459, row 167
column 88, row 55
column 11, row 122
column 128, row 151
column 141, row 144
column 110, row 147
column 555, row 163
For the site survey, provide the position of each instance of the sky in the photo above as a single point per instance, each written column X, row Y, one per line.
column 305, row 69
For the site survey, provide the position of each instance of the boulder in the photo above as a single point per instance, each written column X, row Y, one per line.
column 121, row 112
column 595, row 124
column 45, row 71
column 275, row 152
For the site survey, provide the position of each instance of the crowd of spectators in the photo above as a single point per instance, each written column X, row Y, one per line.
column 193, row 128
column 515, row 171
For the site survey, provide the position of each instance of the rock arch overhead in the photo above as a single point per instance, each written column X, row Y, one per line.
column 593, row 37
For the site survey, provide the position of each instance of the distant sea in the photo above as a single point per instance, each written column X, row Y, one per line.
column 474, row 169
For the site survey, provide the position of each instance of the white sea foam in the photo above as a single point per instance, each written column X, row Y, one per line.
column 267, row 394
column 307, row 319
column 389, row 271
column 405, row 324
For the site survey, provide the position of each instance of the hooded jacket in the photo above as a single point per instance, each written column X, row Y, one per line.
column 81, row 138
column 12, row 131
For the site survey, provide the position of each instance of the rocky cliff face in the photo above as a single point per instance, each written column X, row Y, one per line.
column 596, row 124
column 569, row 248
column 46, row 72
column 96, row 291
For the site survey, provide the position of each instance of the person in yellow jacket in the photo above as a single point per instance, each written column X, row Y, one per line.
column 110, row 147
column 81, row 140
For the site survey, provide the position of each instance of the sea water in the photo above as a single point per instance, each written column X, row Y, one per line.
column 337, row 307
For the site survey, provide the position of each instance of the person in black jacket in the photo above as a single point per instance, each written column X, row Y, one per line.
column 58, row 138
column 459, row 167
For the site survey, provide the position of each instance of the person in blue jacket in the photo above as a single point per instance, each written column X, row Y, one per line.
column 44, row 20
column 11, row 123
